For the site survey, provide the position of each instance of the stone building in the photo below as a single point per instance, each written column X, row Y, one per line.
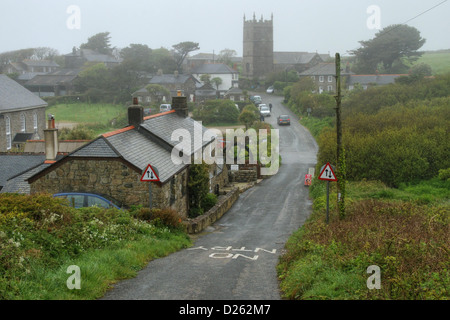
column 257, row 48
column 113, row 164
column 22, row 114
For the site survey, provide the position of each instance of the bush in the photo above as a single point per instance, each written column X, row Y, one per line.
column 209, row 201
column 165, row 217
column 444, row 174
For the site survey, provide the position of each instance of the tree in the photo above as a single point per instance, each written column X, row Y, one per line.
column 205, row 78
column 394, row 47
column 137, row 57
column 157, row 91
column 226, row 55
column 217, row 82
column 182, row 49
column 99, row 43
column 198, row 185
column 249, row 115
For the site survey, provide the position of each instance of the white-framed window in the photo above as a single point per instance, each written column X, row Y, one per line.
column 330, row 78
column 320, row 89
column 8, row 132
column 35, row 122
column 330, row 88
column 321, row 78
column 23, row 123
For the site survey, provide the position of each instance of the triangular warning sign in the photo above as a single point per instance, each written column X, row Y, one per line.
column 327, row 173
column 149, row 174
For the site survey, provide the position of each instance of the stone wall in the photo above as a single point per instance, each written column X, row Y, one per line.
column 243, row 176
column 113, row 178
column 16, row 124
column 199, row 223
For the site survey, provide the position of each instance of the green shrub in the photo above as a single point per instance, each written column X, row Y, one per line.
column 209, row 201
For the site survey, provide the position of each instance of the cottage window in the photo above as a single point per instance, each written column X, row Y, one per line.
column 330, row 78
column 330, row 88
column 35, row 122
column 321, row 78
column 8, row 133
column 23, row 124
column 320, row 89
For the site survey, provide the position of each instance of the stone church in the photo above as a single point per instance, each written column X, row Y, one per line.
column 259, row 58
column 257, row 47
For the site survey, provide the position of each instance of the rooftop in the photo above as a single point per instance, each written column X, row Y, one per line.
column 14, row 97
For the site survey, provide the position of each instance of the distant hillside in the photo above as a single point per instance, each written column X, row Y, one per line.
column 439, row 60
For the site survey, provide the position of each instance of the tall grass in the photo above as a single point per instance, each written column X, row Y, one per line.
column 407, row 239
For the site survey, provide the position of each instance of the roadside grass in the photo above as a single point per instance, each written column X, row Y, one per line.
column 40, row 237
column 404, row 232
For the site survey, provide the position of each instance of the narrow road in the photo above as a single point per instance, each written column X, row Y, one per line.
column 235, row 258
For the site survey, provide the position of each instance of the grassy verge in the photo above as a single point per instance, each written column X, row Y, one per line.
column 40, row 237
column 396, row 230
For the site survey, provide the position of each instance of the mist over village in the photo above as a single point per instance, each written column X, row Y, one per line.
column 209, row 153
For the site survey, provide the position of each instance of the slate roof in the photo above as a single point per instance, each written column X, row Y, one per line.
column 378, row 79
column 40, row 63
column 12, row 165
column 213, row 68
column 170, row 79
column 19, row 183
column 322, row 69
column 53, row 78
column 14, row 97
column 150, row 143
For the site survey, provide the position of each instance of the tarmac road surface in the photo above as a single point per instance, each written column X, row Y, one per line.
column 235, row 258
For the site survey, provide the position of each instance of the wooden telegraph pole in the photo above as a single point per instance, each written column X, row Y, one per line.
column 339, row 155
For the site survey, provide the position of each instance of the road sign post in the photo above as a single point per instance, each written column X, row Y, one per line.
column 150, row 174
column 327, row 174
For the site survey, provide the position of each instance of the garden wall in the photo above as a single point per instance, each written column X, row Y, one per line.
column 224, row 203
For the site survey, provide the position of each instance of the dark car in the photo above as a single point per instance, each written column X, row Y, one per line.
column 81, row 199
column 284, row 119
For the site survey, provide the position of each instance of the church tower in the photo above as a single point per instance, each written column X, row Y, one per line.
column 258, row 48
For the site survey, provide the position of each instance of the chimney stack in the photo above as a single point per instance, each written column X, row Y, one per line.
column 179, row 104
column 135, row 113
column 51, row 139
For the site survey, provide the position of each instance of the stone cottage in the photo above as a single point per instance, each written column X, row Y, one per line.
column 22, row 114
column 113, row 164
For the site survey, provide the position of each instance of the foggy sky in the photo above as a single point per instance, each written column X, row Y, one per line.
column 325, row 26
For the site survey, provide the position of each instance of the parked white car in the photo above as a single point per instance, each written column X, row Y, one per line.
column 264, row 110
column 165, row 107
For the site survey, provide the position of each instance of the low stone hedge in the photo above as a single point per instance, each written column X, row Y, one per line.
column 224, row 203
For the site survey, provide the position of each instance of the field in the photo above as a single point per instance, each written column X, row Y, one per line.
column 100, row 117
column 439, row 61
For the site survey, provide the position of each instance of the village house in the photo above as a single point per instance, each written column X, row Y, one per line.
column 324, row 76
column 174, row 83
column 22, row 114
column 298, row 61
column 113, row 163
column 366, row 81
column 229, row 77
